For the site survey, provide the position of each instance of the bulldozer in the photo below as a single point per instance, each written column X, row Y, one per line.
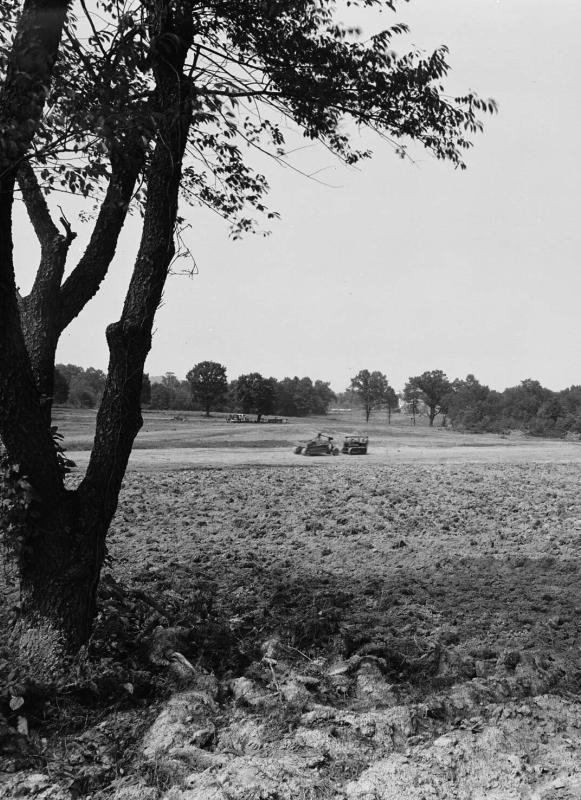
column 321, row 445
column 355, row 444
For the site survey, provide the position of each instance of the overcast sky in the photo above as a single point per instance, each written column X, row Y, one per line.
column 398, row 266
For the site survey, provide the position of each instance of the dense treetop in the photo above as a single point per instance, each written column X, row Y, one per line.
column 252, row 68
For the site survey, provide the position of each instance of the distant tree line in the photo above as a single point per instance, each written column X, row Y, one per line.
column 205, row 388
column 464, row 404
column 78, row 387
column 472, row 406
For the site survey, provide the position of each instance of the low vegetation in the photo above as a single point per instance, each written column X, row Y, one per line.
column 464, row 404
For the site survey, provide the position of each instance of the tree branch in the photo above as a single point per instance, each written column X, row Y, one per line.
column 119, row 417
column 39, row 311
column 23, row 425
column 36, row 205
column 95, row 32
column 85, row 280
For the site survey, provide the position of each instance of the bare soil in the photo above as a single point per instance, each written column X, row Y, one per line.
column 401, row 625
column 170, row 440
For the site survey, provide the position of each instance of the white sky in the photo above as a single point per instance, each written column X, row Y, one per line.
column 397, row 266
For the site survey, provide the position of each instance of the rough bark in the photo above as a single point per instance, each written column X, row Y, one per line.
column 59, row 575
column 50, row 307
column 39, row 310
column 22, row 99
column 84, row 281
column 23, row 427
column 119, row 417
column 61, row 565
column 129, row 339
column 29, row 71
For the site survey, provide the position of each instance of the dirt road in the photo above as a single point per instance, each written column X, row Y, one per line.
column 489, row 451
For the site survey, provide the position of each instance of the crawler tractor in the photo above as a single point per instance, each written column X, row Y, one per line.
column 321, row 445
column 355, row 445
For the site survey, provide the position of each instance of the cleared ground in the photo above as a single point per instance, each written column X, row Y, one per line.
column 401, row 625
column 177, row 441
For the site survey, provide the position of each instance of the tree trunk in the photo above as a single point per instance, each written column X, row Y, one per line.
column 65, row 544
column 119, row 417
column 22, row 97
column 50, row 307
column 22, row 427
column 59, row 575
column 39, row 310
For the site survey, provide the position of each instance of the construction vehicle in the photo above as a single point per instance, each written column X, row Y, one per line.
column 321, row 445
column 355, row 444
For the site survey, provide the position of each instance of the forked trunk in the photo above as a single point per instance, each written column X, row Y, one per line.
column 64, row 546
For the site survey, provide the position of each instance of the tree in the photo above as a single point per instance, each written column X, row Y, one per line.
column 60, row 392
column 571, row 400
column 391, row 402
column 346, row 399
column 371, row 388
column 522, row 403
column 145, row 397
column 86, row 387
column 182, row 397
column 466, row 404
column 551, row 419
column 303, row 396
column 70, row 372
column 171, row 380
column 156, row 102
column 432, row 388
column 170, row 392
column 208, row 384
column 299, row 397
column 411, row 396
column 232, row 396
column 285, row 397
column 323, row 397
column 256, row 394
column 160, row 397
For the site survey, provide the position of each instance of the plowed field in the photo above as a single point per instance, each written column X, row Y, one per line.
column 401, row 625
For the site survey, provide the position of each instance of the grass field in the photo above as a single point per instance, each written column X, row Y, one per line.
column 180, row 440
column 400, row 625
